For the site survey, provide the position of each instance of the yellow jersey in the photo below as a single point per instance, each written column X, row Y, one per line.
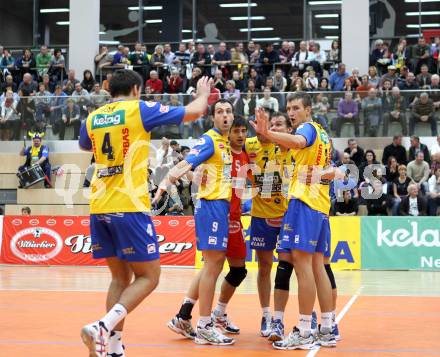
column 269, row 201
column 315, row 156
column 213, row 159
column 119, row 135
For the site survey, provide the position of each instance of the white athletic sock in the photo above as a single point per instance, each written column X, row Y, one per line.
column 334, row 317
column 115, row 343
column 305, row 325
column 220, row 309
column 203, row 321
column 266, row 312
column 326, row 322
column 114, row 316
column 189, row 300
column 278, row 315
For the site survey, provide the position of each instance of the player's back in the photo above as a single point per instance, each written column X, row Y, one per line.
column 120, row 146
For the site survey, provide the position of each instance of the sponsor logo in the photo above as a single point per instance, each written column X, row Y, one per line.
column 194, row 152
column 221, row 146
column 85, row 222
column 212, row 240
column 173, row 223
column 296, row 239
column 36, row 244
column 402, row 237
column 190, row 223
column 17, row 221
column 258, row 242
column 51, row 222
column 164, row 108
column 150, row 104
column 106, row 120
column 287, row 227
column 151, row 248
column 156, row 222
column 34, row 222
column 201, row 141
column 285, row 238
column 171, row 247
column 80, row 243
column 129, row 251
column 324, row 137
column 274, row 222
column 68, row 222
column 234, row 227
column 110, row 171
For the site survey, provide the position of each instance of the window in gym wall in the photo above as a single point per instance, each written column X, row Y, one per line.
column 53, row 22
column 16, row 23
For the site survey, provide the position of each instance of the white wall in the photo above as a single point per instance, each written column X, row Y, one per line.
column 83, row 35
column 355, row 34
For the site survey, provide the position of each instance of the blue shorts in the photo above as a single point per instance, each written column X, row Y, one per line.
column 305, row 229
column 129, row 236
column 211, row 218
column 264, row 234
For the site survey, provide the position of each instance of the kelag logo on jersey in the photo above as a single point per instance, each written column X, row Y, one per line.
column 106, row 120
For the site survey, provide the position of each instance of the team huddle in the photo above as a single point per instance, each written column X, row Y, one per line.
column 288, row 164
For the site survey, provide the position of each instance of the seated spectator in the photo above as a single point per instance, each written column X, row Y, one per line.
column 174, row 204
column 102, row 60
column 26, row 211
column 415, row 147
column 120, row 58
column 202, row 59
column 219, row 82
column 298, row 85
column 174, row 82
column 99, row 97
column 348, row 207
column 435, row 149
column 154, row 83
column 376, row 206
column 248, row 101
column 410, row 84
column 267, row 58
column 345, row 160
column 434, row 193
column 57, row 70
column 48, row 83
column 311, row 81
column 434, row 93
column 355, row 151
column 9, row 82
column 392, row 172
column 70, row 117
column 222, row 58
column 253, row 74
column 174, row 102
column 334, row 52
column 9, row 118
column 423, row 111
column 28, row 84
column 239, row 83
column 192, row 85
column 399, row 190
column 319, row 59
column 42, row 104
column 369, row 159
column 106, row 82
column 88, row 81
column 395, row 110
column 396, row 150
column 364, row 87
column 181, row 59
column 324, row 86
column 390, row 76
column 413, row 204
column 372, row 110
column 400, row 56
column 43, row 61
column 347, row 112
column 70, row 83
column 139, row 59
column 26, row 108
column 347, row 85
column 82, row 98
column 373, row 78
column 157, row 61
column 231, row 94
column 424, row 77
column 37, row 154
column 26, row 63
column 337, row 79
column 419, row 55
column 57, row 104
column 301, row 59
column 279, row 82
column 418, row 171
column 267, row 101
column 320, row 109
column 7, row 62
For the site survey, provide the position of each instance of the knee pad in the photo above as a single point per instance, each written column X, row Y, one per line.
column 282, row 277
column 236, row 275
column 329, row 271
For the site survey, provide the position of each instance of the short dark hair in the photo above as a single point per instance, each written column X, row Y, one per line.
column 220, row 101
column 240, row 121
column 396, row 137
column 174, row 142
column 284, row 115
column 123, row 81
column 26, row 209
column 305, row 98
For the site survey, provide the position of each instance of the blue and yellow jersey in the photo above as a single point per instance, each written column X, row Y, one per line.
column 315, row 156
column 119, row 134
column 214, row 152
column 269, row 201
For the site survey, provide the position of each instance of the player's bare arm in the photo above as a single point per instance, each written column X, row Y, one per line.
column 198, row 106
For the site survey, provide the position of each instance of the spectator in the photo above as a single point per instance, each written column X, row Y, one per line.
column 378, row 54
column 9, row 83
column 169, row 55
column 250, row 48
column 391, row 76
column 232, row 94
column 154, row 83
column 174, row 204
column 42, row 104
column 347, row 112
column 157, row 61
column 355, row 151
column 373, row 78
column 25, row 63
column 311, row 81
column 324, row 86
column 392, row 168
column 239, row 83
column 298, row 85
column 395, row 110
column 120, row 58
column 139, row 59
column 301, row 59
column 267, row 58
column 267, row 101
column 88, row 81
column 259, row 85
column 347, row 85
column 377, row 206
column 400, row 189
column 337, row 79
column 386, row 60
column 222, row 59
column 279, row 82
column 372, row 108
column 345, row 160
column 247, row 102
column 70, row 117
column 219, row 82
column 335, row 155
column 211, row 52
column 28, row 84
column 202, row 59
column 423, row 111
column 435, row 92
column 285, row 52
column 196, row 75
column 415, row 147
column 81, row 98
column 348, row 207
column 163, row 156
column 26, row 107
column 434, row 193
column 435, row 149
column 418, row 172
column 174, row 102
column 334, row 52
column 48, row 84
column 401, row 54
column 255, row 56
column 369, row 159
column 318, row 59
column 57, row 66
column 419, row 55
column 70, row 83
column 57, row 104
column 43, row 61
column 26, row 211
column 364, row 87
column 181, row 59
column 396, row 150
column 424, row 77
column 102, row 60
column 413, row 204
column 269, row 84
column 106, row 82
column 320, row 109
column 355, row 79
column 9, row 118
column 174, row 82
column 99, row 97
column 7, row 63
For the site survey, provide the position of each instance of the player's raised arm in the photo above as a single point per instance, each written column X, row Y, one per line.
column 198, row 106
column 287, row 140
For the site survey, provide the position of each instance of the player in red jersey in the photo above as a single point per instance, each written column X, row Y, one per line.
column 236, row 249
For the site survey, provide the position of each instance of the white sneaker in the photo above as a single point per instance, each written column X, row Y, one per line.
column 294, row 341
column 115, row 347
column 209, row 335
column 96, row 336
column 225, row 325
column 182, row 327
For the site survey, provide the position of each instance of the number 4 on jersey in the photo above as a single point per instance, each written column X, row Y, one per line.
column 107, row 148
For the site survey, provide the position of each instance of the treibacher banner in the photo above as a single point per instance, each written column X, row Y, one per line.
column 400, row 243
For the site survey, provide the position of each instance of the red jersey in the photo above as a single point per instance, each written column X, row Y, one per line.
column 238, row 160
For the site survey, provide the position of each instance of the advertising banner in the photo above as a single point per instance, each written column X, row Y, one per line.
column 401, row 243
column 1, row 232
column 345, row 244
column 45, row 240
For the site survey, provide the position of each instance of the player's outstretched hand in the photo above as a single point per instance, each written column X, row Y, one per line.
column 261, row 122
column 204, row 86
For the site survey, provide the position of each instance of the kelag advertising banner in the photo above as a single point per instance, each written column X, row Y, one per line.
column 391, row 243
column 65, row 240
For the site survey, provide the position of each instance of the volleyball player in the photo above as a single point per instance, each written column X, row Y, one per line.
column 213, row 160
column 308, row 233
column 121, row 229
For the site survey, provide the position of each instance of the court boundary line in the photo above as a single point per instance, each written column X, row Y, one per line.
column 340, row 316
